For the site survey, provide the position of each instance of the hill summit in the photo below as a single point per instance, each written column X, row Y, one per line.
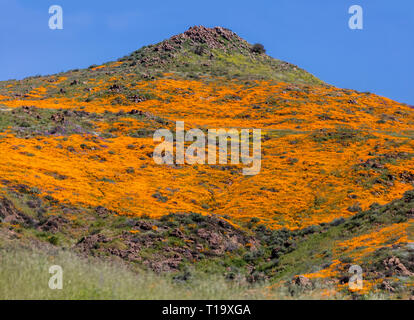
column 216, row 52
column 213, row 38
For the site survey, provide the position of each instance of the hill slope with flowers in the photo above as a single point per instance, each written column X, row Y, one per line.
column 335, row 187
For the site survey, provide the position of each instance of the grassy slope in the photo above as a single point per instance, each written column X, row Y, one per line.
column 266, row 272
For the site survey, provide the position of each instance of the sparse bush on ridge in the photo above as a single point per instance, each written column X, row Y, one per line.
column 258, row 48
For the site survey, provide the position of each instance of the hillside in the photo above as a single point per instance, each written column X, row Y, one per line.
column 335, row 187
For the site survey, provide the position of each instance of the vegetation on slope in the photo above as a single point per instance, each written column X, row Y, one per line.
column 77, row 171
column 194, row 248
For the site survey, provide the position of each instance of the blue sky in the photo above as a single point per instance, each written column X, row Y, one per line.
column 311, row 34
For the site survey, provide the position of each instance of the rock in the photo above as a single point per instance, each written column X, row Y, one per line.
column 102, row 211
column 167, row 47
column 385, row 285
column 53, row 224
column 394, row 264
column 177, row 233
column 144, row 225
column 213, row 238
column 115, row 88
column 57, row 117
column 224, row 224
column 255, row 276
column 202, row 233
column 33, row 204
column 211, row 37
column 302, row 281
column 9, row 214
column 86, row 244
column 232, row 244
column 57, row 130
column 406, row 177
column 135, row 111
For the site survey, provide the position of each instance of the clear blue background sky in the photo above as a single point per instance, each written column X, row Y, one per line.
column 311, row 34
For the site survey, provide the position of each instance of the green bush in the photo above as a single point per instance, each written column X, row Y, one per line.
column 258, row 48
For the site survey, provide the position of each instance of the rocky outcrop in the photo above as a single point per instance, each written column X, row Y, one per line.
column 394, row 265
column 9, row 213
column 302, row 281
column 201, row 39
column 213, row 38
column 208, row 236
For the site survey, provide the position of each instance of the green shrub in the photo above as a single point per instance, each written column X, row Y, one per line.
column 258, row 48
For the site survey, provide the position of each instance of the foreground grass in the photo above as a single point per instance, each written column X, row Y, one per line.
column 24, row 274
